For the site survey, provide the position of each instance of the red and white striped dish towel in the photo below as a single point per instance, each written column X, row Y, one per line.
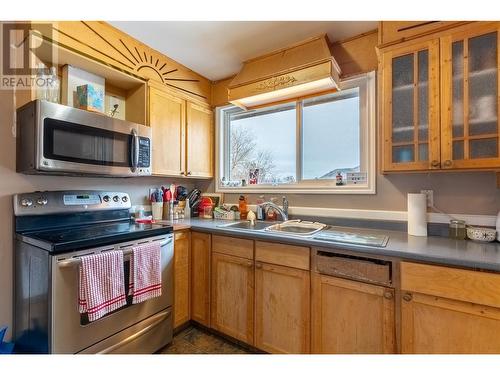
column 145, row 272
column 102, row 285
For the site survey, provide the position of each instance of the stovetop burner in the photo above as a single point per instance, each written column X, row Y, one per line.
column 76, row 238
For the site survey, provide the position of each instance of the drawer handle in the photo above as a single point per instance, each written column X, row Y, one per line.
column 388, row 295
column 407, row 297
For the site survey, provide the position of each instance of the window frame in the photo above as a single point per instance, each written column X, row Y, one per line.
column 366, row 83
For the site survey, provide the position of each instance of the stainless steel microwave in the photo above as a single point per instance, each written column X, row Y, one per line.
column 57, row 139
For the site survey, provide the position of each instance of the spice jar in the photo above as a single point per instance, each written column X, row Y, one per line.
column 457, row 230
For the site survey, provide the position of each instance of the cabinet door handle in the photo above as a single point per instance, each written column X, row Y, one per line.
column 388, row 295
column 447, row 163
column 407, row 297
column 181, row 173
column 189, row 173
column 258, row 265
column 435, row 164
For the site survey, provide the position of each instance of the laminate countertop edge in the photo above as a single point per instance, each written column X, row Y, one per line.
column 433, row 249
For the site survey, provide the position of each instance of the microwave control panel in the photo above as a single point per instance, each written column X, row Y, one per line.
column 144, row 152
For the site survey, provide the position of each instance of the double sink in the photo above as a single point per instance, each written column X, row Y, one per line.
column 293, row 227
column 308, row 229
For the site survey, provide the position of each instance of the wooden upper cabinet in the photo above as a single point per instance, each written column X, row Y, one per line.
column 399, row 31
column 440, row 101
column 449, row 311
column 183, row 135
column 470, row 98
column 282, row 309
column 181, row 278
column 200, row 277
column 232, row 299
column 410, row 107
column 351, row 317
column 200, row 141
column 167, row 121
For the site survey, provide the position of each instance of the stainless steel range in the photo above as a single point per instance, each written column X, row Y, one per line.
column 54, row 229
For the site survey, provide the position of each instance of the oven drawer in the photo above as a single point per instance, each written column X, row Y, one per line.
column 73, row 333
column 145, row 337
column 352, row 267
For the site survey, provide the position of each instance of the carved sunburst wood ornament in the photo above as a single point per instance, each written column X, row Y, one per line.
column 135, row 58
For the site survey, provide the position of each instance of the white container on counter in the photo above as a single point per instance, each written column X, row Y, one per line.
column 417, row 214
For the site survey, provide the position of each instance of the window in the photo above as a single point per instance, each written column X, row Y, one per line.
column 324, row 144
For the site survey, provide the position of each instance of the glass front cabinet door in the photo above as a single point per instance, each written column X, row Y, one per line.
column 469, row 98
column 440, row 102
column 410, row 107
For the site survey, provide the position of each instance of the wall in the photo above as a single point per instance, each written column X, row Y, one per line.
column 12, row 183
column 357, row 54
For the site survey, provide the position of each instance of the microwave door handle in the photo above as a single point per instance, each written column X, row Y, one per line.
column 134, row 150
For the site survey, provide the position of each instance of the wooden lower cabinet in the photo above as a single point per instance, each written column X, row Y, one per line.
column 436, row 325
column 200, row 277
column 181, row 278
column 232, row 296
column 449, row 310
column 351, row 317
column 282, row 309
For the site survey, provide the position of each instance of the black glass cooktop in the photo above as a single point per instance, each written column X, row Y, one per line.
column 77, row 238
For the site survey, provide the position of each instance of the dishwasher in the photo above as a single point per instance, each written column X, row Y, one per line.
column 353, row 305
column 360, row 268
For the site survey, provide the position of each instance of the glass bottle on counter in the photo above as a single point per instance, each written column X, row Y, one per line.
column 457, row 230
column 243, row 207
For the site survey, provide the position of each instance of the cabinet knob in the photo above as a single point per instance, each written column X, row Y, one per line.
column 435, row 164
column 407, row 297
column 447, row 163
column 388, row 295
column 182, row 173
column 189, row 173
column 258, row 265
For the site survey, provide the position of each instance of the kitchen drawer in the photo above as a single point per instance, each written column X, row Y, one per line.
column 453, row 283
column 237, row 247
column 283, row 255
column 352, row 267
column 399, row 31
column 181, row 235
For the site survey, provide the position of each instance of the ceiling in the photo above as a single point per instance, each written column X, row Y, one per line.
column 216, row 49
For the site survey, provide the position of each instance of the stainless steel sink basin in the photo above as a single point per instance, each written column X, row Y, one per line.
column 296, row 228
column 258, row 225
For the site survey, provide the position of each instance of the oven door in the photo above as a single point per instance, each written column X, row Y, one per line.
column 71, row 331
column 80, row 142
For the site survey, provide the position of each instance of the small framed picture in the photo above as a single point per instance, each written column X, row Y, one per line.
column 216, row 198
column 253, row 176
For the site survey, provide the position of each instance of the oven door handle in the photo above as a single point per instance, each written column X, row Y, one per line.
column 118, row 345
column 127, row 251
column 134, row 151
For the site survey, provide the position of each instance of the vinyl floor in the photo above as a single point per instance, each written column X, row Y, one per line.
column 194, row 340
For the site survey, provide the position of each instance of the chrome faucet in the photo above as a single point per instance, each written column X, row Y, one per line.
column 282, row 211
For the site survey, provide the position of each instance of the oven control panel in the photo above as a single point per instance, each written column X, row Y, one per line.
column 50, row 202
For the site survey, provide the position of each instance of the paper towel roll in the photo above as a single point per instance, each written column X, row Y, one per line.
column 417, row 214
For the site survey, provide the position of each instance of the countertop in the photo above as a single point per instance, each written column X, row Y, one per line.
column 437, row 250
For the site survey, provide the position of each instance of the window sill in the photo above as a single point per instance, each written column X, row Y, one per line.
column 346, row 189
